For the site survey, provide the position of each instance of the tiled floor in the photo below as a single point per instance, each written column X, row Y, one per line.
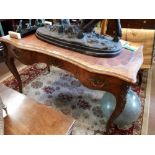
column 151, row 127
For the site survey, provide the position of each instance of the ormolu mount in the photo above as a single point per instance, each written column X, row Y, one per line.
column 80, row 37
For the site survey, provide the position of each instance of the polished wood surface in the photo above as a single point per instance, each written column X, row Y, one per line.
column 27, row 117
column 125, row 66
column 114, row 75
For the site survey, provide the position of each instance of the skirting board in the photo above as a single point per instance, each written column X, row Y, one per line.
column 144, row 130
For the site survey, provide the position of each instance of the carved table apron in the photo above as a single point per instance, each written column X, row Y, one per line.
column 114, row 75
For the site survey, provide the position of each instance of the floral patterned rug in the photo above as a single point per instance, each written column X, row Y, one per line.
column 59, row 89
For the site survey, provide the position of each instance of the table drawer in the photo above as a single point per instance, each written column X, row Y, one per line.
column 24, row 56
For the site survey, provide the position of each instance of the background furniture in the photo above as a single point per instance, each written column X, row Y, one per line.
column 1, row 47
column 146, row 38
column 1, row 30
column 1, row 53
column 114, row 75
column 132, row 23
column 27, row 117
column 8, row 25
column 139, row 31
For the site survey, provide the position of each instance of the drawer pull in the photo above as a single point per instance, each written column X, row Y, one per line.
column 99, row 82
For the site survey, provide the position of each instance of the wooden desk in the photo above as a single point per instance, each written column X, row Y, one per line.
column 27, row 117
column 114, row 75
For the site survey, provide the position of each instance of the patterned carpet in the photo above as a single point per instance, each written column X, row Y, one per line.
column 62, row 91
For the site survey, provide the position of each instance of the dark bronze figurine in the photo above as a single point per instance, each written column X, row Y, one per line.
column 79, row 35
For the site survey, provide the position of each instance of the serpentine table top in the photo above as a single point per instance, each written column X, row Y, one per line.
column 124, row 66
column 114, row 75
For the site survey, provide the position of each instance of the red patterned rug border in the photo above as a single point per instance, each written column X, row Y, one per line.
column 11, row 81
